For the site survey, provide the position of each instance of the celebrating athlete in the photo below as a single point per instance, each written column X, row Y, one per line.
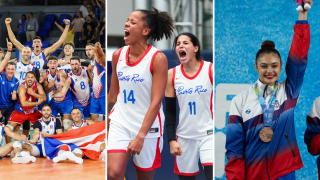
column 261, row 141
column 139, row 75
column 192, row 83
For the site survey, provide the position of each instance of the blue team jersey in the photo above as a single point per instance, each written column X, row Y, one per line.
column 6, row 88
column 99, row 81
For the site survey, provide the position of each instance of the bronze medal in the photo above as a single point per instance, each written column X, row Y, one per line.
column 266, row 134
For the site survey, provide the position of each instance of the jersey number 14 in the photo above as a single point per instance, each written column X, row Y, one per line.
column 130, row 96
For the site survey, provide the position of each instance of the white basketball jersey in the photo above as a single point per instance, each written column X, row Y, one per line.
column 21, row 71
column 134, row 98
column 66, row 68
column 38, row 60
column 194, row 96
column 55, row 88
column 1, row 132
column 49, row 128
column 80, row 86
column 84, row 122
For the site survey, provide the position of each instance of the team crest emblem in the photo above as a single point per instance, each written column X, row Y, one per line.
column 276, row 104
column 39, row 57
column 29, row 69
column 84, row 76
column 248, row 111
column 12, row 85
column 51, row 126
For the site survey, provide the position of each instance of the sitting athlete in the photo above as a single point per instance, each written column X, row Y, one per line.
column 30, row 94
column 44, row 127
column 79, row 81
column 7, row 148
column 38, row 57
column 54, row 81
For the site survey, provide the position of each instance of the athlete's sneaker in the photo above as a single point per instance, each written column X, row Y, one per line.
column 102, row 156
column 299, row 8
column 61, row 157
column 307, row 6
column 19, row 159
column 73, row 157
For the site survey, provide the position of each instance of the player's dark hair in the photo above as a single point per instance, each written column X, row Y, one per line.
column 11, row 63
column 160, row 23
column 31, row 13
column 90, row 44
column 69, row 43
column 37, row 37
column 194, row 40
column 24, row 16
column 75, row 109
column 46, row 104
column 52, row 58
column 90, row 16
column 75, row 58
column 267, row 47
column 31, row 72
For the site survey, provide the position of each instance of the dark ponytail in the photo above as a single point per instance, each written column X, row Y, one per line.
column 267, row 47
column 160, row 24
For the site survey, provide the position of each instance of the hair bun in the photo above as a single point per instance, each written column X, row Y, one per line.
column 268, row 44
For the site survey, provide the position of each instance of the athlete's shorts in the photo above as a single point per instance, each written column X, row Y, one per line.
column 64, row 107
column 6, row 113
column 150, row 154
column 36, row 150
column 19, row 117
column 98, row 105
column 192, row 150
column 85, row 110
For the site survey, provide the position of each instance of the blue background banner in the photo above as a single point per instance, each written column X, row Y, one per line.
column 240, row 28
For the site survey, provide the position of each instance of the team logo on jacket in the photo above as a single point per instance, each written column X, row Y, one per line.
column 51, row 126
column 276, row 104
column 248, row 111
column 12, row 85
column 29, row 69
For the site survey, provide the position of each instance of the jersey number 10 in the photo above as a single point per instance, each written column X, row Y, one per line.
column 130, row 97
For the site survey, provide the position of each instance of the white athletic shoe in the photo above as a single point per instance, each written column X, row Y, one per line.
column 299, row 8
column 73, row 157
column 61, row 157
column 19, row 159
column 102, row 156
column 307, row 6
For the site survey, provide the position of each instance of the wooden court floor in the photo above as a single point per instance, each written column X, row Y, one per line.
column 44, row 169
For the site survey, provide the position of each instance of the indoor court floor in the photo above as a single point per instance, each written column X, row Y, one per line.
column 48, row 170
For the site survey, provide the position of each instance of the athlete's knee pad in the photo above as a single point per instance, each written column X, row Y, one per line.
column 17, row 144
column 66, row 124
column 77, row 151
column 26, row 125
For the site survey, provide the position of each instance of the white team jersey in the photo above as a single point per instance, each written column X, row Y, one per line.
column 194, row 95
column 134, row 98
column 92, row 62
column 80, row 86
column 84, row 122
column 66, row 68
column 49, row 128
column 1, row 132
column 21, row 70
column 38, row 60
column 55, row 88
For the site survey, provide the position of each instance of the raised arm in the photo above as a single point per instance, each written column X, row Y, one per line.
column 298, row 56
column 114, row 85
column 100, row 57
column 12, row 38
column 7, row 57
column 235, row 144
column 58, row 25
column 22, row 96
column 159, row 82
column 56, row 45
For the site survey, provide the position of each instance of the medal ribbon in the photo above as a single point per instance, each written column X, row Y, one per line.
column 267, row 112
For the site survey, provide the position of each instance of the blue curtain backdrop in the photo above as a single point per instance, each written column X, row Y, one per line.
column 240, row 28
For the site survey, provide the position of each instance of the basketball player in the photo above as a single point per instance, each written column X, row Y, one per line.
column 80, row 79
column 30, row 94
column 68, row 50
column 44, row 127
column 38, row 57
column 98, row 83
column 54, row 81
column 191, row 82
column 139, row 75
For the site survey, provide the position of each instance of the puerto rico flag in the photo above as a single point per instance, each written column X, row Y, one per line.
column 88, row 139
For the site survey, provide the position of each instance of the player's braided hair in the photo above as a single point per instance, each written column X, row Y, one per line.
column 160, row 24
